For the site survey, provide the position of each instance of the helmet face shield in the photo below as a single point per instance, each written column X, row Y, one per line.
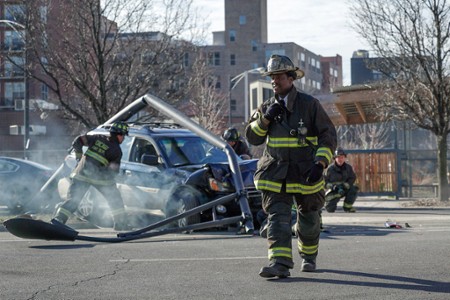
column 231, row 135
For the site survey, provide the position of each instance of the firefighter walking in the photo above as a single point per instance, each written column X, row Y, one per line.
column 340, row 180
column 300, row 139
column 98, row 167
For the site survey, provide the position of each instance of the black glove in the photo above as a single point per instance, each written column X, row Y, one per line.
column 273, row 111
column 315, row 173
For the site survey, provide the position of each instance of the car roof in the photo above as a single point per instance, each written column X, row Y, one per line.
column 152, row 129
column 25, row 162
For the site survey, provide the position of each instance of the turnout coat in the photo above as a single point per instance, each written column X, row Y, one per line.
column 301, row 136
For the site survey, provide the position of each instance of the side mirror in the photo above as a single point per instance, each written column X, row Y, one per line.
column 148, row 159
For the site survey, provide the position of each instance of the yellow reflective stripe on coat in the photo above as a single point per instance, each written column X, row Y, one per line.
column 268, row 185
column 289, row 142
column 308, row 250
column 280, row 252
column 97, row 157
column 325, row 152
column 291, row 188
column 297, row 188
column 258, row 130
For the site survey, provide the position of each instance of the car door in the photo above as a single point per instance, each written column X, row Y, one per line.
column 141, row 185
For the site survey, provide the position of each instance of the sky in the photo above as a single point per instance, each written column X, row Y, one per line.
column 321, row 26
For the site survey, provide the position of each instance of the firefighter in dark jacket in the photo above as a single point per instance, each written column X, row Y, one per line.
column 340, row 181
column 300, row 139
column 98, row 167
column 233, row 138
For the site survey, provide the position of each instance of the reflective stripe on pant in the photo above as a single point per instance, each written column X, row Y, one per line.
column 333, row 199
column 279, row 235
column 308, row 223
column 76, row 192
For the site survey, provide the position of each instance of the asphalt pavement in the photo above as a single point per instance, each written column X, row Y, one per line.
column 359, row 258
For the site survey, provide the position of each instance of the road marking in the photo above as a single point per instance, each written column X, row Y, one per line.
column 186, row 259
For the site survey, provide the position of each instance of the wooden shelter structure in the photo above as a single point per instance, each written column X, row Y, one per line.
column 378, row 170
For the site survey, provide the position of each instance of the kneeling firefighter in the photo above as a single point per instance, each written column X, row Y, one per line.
column 97, row 167
column 340, row 180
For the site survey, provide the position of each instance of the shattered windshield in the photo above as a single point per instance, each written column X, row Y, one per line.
column 190, row 151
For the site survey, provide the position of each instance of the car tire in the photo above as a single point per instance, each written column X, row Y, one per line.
column 181, row 201
column 18, row 200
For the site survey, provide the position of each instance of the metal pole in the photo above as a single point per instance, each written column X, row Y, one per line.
column 246, row 100
column 26, row 113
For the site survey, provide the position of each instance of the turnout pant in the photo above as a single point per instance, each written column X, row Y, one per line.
column 76, row 192
column 279, row 233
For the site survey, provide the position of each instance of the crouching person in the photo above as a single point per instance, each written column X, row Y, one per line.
column 340, row 181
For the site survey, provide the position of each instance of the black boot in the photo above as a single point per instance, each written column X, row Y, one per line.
column 275, row 270
column 308, row 265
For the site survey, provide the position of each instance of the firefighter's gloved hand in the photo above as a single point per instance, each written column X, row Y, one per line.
column 273, row 111
column 315, row 173
column 335, row 188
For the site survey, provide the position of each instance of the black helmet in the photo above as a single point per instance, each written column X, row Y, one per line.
column 231, row 135
column 279, row 64
column 339, row 151
column 119, row 128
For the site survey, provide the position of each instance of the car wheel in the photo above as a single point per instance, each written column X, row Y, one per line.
column 181, row 201
column 18, row 198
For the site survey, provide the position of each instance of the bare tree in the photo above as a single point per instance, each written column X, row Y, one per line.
column 412, row 38
column 97, row 56
column 365, row 136
column 209, row 105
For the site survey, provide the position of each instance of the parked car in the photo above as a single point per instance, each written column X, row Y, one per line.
column 20, row 182
column 166, row 170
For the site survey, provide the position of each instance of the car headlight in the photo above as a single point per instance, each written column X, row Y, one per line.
column 218, row 186
column 221, row 209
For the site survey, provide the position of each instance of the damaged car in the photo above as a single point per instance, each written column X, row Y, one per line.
column 167, row 170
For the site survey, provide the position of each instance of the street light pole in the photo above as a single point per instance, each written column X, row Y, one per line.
column 26, row 113
column 234, row 81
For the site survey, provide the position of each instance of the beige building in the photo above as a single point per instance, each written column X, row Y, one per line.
column 242, row 48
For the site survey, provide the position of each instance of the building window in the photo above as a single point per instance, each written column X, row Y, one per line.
column 217, row 58
column 233, row 104
column 43, row 11
column 14, row 91
column 232, row 59
column 232, row 35
column 44, row 92
column 214, row 59
column 218, row 85
column 254, row 46
column 15, row 12
column 186, row 59
column 14, row 66
column 242, row 20
column 14, row 40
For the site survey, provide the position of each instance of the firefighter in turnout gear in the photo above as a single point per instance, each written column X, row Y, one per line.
column 340, row 181
column 233, row 138
column 300, row 139
column 98, row 167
